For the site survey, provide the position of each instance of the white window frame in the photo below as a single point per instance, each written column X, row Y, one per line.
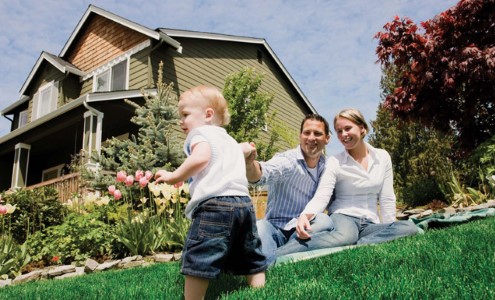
column 107, row 71
column 23, row 118
column 39, row 108
column 57, row 168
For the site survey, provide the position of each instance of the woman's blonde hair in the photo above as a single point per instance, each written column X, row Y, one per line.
column 215, row 100
column 354, row 116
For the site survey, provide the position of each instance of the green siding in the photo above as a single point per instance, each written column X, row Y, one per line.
column 47, row 74
column 139, row 75
column 71, row 88
column 209, row 62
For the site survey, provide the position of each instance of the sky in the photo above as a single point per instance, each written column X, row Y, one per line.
column 326, row 46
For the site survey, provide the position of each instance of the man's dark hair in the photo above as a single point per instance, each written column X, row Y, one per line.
column 316, row 117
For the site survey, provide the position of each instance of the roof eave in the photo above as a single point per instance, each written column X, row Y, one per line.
column 11, row 107
column 92, row 97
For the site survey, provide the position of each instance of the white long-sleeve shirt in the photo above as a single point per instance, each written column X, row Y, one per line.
column 357, row 190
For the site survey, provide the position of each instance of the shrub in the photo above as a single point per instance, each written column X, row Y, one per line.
column 35, row 210
column 78, row 238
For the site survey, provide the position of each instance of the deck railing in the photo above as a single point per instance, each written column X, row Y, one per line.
column 66, row 186
column 69, row 184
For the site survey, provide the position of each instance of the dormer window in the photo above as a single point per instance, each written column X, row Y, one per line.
column 45, row 100
column 23, row 118
column 114, row 78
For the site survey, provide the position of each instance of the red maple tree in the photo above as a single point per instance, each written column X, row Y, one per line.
column 445, row 70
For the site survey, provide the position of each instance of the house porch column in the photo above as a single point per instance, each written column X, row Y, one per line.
column 92, row 134
column 20, row 167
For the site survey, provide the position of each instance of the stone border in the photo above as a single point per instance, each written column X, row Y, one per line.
column 91, row 266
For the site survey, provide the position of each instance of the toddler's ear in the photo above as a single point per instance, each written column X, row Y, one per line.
column 209, row 113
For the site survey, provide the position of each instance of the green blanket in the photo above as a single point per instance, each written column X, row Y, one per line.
column 437, row 220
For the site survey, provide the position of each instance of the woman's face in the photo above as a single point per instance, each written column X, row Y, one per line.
column 349, row 133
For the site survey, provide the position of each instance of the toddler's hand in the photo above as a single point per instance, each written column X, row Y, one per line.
column 249, row 151
column 163, row 176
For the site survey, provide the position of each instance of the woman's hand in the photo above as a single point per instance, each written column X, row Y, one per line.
column 303, row 227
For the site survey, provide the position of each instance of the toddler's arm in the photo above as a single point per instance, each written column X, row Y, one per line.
column 194, row 163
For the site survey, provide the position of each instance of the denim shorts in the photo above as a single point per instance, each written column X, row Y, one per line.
column 223, row 238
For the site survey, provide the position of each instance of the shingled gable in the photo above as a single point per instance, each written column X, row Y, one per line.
column 117, row 19
column 49, row 139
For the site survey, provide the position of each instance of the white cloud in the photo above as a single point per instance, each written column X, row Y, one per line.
column 327, row 46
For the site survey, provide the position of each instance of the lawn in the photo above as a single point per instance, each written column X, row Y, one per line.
column 457, row 262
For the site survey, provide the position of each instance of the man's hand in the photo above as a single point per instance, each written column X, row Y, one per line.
column 303, row 227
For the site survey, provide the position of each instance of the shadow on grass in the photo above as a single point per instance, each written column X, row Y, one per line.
column 225, row 285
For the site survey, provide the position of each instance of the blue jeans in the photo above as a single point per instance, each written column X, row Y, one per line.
column 349, row 231
column 223, row 237
column 273, row 237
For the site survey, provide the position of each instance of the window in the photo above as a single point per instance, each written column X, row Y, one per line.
column 112, row 79
column 45, row 100
column 103, row 82
column 23, row 118
column 52, row 173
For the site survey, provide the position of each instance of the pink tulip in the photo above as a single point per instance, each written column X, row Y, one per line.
column 143, row 182
column 129, row 180
column 178, row 184
column 111, row 189
column 139, row 175
column 117, row 194
column 121, row 176
column 3, row 210
column 148, row 174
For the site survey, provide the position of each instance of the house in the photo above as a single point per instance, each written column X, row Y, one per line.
column 74, row 101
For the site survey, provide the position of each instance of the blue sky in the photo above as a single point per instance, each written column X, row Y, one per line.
column 327, row 46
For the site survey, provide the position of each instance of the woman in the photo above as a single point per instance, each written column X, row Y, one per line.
column 362, row 176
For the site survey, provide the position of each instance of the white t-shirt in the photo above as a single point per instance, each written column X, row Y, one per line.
column 225, row 174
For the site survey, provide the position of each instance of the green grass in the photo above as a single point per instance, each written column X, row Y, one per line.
column 453, row 263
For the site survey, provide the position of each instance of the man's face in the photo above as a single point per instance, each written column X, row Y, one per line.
column 313, row 139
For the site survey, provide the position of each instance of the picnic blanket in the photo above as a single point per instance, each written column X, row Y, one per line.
column 437, row 220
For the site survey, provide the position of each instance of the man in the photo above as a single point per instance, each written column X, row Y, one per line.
column 292, row 178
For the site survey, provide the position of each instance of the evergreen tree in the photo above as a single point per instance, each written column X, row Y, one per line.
column 156, row 144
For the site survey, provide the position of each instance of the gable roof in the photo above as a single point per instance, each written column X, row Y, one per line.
column 232, row 38
column 123, row 21
column 161, row 34
column 57, row 62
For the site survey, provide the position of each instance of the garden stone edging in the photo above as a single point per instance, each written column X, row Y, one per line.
column 90, row 266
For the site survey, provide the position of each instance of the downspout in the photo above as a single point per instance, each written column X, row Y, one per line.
column 8, row 118
column 91, row 109
column 150, row 68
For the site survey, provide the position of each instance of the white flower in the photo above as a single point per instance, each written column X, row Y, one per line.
column 10, row 208
column 154, row 189
column 90, row 198
column 167, row 190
